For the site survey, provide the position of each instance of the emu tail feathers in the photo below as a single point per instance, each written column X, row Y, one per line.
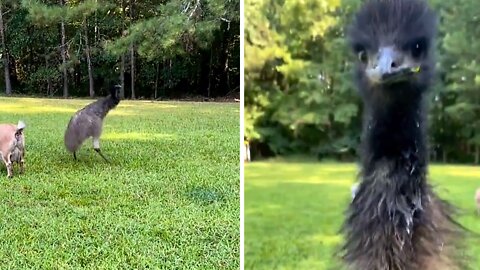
column 72, row 139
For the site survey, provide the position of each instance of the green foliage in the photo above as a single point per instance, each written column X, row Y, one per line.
column 296, row 54
column 181, row 48
column 299, row 93
column 42, row 14
column 171, row 29
column 294, row 210
column 169, row 199
column 461, row 66
column 42, row 75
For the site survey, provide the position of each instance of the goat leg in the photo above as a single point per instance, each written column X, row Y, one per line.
column 10, row 169
column 8, row 164
column 22, row 166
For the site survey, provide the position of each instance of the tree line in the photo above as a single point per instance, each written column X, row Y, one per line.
column 154, row 49
column 299, row 92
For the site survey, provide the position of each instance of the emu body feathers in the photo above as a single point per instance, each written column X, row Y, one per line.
column 88, row 122
column 395, row 221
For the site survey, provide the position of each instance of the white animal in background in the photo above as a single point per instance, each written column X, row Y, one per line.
column 354, row 190
column 246, row 150
column 12, row 146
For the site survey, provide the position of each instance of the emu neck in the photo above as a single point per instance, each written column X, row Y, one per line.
column 108, row 104
column 394, row 132
column 102, row 106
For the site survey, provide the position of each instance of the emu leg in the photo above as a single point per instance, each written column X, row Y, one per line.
column 101, row 154
column 96, row 147
column 75, row 155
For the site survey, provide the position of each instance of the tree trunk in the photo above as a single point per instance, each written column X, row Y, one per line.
column 122, row 76
column 444, row 157
column 132, row 70
column 132, row 56
column 64, row 58
column 164, row 81
column 210, row 73
column 477, row 153
column 49, row 80
column 122, row 59
column 170, row 83
column 89, row 63
column 6, row 65
column 156, row 81
column 96, row 30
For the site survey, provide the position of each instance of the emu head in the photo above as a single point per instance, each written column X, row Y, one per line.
column 393, row 42
column 115, row 91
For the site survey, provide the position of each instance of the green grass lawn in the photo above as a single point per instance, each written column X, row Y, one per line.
column 169, row 200
column 294, row 210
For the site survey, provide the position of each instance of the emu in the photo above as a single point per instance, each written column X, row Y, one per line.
column 88, row 122
column 12, row 146
column 396, row 221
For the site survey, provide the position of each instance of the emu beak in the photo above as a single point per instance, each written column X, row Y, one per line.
column 390, row 66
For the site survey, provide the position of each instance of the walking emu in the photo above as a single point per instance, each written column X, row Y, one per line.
column 395, row 221
column 88, row 122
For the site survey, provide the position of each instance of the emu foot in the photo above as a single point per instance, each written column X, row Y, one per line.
column 101, row 154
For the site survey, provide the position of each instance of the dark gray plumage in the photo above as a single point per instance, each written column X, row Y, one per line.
column 88, row 122
column 396, row 221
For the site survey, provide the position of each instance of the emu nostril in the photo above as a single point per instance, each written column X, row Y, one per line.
column 393, row 65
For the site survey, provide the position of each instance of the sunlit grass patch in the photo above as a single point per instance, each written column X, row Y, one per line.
column 137, row 136
column 294, row 210
column 168, row 200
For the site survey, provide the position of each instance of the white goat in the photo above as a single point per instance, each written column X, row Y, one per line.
column 12, row 146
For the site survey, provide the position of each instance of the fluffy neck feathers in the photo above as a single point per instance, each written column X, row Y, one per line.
column 395, row 129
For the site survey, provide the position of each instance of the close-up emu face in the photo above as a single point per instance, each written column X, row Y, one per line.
column 392, row 41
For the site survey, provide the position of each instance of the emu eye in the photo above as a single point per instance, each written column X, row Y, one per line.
column 418, row 47
column 362, row 56
column 361, row 52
